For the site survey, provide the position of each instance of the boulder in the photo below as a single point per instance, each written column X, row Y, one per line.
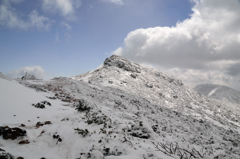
column 11, row 133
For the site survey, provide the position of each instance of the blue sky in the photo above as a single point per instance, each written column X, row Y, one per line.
column 197, row 41
column 71, row 46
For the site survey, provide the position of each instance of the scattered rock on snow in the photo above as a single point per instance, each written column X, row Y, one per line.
column 23, row 142
column 11, row 133
column 5, row 155
column 38, row 124
column 42, row 104
column 149, row 85
column 133, row 75
column 56, row 136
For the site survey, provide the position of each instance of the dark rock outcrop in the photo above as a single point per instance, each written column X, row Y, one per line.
column 5, row 155
column 42, row 104
column 123, row 63
column 11, row 133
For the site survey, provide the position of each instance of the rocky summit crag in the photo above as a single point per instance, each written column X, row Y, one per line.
column 122, row 110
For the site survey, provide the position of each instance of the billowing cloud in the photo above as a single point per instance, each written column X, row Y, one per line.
column 37, row 71
column 10, row 18
column 118, row 2
column 194, row 47
column 65, row 8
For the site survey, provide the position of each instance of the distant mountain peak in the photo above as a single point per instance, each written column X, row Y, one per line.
column 219, row 92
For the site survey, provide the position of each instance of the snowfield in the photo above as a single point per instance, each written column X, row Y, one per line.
column 121, row 110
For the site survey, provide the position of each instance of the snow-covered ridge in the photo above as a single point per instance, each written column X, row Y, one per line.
column 219, row 92
column 125, row 111
column 4, row 77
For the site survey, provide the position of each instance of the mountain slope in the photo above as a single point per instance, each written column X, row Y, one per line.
column 219, row 92
column 157, row 87
column 126, row 111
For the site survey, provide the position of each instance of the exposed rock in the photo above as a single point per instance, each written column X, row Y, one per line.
column 123, row 63
column 133, row 75
column 47, row 122
column 11, row 133
column 23, row 142
column 42, row 104
column 56, row 136
column 46, row 103
column 38, row 124
column 29, row 77
column 5, row 155
column 149, row 85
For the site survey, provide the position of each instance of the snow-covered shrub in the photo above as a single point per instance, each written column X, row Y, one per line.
column 173, row 149
column 139, row 131
column 82, row 106
column 98, row 118
column 81, row 131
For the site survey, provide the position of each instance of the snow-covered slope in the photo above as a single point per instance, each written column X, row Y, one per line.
column 219, row 92
column 126, row 111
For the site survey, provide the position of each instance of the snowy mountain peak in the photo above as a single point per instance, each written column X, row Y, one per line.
column 219, row 92
column 123, row 63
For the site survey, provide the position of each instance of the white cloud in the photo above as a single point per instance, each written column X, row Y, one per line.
column 37, row 71
column 10, row 18
column 65, row 8
column 209, row 36
column 66, row 25
column 40, row 22
column 118, row 2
